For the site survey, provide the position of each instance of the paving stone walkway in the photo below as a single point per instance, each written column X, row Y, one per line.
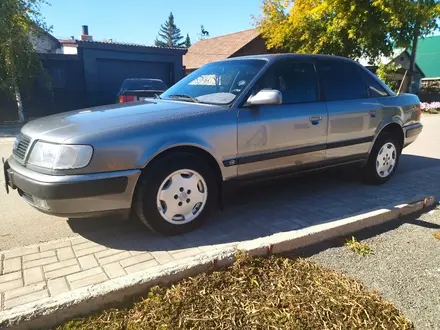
column 34, row 272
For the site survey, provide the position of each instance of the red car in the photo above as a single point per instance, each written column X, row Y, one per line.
column 138, row 89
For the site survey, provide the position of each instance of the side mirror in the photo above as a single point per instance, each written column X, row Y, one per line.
column 266, row 97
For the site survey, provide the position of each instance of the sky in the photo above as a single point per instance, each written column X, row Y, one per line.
column 138, row 21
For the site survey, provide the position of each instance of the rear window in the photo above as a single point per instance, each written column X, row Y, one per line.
column 143, row 85
column 341, row 80
column 374, row 88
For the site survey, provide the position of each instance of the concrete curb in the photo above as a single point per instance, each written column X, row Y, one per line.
column 52, row 311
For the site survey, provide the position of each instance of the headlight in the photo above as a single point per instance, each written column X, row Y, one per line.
column 60, row 157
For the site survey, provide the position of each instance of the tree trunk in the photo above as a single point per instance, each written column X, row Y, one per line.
column 412, row 59
column 402, row 83
column 21, row 118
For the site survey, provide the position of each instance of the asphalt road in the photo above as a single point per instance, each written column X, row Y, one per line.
column 404, row 267
column 21, row 225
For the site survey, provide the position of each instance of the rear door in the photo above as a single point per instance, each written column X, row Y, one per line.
column 287, row 135
column 353, row 112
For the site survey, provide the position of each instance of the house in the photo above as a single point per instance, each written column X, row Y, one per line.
column 248, row 42
column 45, row 43
column 428, row 57
column 107, row 64
column 83, row 73
column 400, row 57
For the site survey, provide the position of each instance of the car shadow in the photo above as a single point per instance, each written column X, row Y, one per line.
column 411, row 163
column 276, row 205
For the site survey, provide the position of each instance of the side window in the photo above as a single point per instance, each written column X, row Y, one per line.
column 374, row 88
column 297, row 81
column 341, row 80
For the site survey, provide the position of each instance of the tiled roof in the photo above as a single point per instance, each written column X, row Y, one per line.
column 213, row 49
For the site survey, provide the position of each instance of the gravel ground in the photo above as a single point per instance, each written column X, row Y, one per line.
column 404, row 267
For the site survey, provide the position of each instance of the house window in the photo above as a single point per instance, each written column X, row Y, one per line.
column 402, row 59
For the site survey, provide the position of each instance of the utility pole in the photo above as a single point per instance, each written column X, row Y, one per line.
column 412, row 59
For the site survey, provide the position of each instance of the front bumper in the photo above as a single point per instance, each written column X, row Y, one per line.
column 72, row 195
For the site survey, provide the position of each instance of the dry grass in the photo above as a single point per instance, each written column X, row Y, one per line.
column 256, row 293
column 358, row 247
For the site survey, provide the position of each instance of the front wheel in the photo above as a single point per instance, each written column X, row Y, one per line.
column 176, row 194
column 383, row 160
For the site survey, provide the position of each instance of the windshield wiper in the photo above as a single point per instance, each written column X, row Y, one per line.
column 156, row 96
column 183, row 96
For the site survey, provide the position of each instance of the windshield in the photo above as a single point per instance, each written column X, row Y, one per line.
column 143, row 85
column 216, row 83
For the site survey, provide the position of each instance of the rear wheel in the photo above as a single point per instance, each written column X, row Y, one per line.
column 176, row 194
column 383, row 160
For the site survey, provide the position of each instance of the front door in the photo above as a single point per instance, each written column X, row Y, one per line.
column 291, row 134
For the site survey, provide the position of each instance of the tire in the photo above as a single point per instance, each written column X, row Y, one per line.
column 154, row 203
column 388, row 163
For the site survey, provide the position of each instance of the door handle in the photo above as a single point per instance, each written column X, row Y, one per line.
column 315, row 118
column 372, row 114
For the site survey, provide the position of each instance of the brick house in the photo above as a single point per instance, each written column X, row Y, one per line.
column 248, row 42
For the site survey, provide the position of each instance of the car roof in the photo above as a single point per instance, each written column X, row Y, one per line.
column 276, row 57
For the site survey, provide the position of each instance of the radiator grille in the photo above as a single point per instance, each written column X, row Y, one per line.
column 22, row 147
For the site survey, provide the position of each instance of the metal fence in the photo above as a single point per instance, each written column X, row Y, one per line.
column 60, row 87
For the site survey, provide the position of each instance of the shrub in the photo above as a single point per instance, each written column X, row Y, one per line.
column 430, row 107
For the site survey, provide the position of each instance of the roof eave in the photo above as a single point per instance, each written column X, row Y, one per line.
column 117, row 46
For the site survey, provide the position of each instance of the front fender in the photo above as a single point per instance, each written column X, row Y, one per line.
column 165, row 144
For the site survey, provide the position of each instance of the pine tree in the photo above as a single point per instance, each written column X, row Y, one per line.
column 169, row 34
column 187, row 41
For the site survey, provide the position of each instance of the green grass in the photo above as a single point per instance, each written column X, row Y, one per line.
column 255, row 293
column 357, row 247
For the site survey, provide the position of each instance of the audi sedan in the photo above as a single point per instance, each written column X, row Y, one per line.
column 166, row 161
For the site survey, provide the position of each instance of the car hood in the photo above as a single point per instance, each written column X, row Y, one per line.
column 63, row 126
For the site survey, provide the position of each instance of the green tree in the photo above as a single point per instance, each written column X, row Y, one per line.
column 386, row 73
column 169, row 34
column 347, row 28
column 19, row 64
column 187, row 41
column 418, row 19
